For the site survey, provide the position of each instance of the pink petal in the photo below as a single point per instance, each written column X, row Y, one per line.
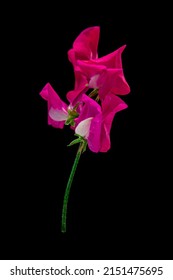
column 110, row 106
column 85, row 45
column 112, row 60
column 89, row 68
column 95, row 134
column 91, row 109
column 81, row 86
column 105, row 79
column 54, row 103
column 112, row 80
column 72, row 56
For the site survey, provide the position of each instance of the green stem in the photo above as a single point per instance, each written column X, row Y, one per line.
column 93, row 93
column 67, row 191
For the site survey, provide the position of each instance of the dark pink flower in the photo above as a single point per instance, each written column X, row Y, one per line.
column 57, row 109
column 94, row 123
column 88, row 124
column 90, row 119
column 105, row 73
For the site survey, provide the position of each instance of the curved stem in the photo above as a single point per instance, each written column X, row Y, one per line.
column 93, row 93
column 68, row 187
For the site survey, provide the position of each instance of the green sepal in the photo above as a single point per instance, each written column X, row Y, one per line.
column 70, row 121
column 80, row 139
column 76, row 141
column 73, row 113
column 84, row 146
column 77, row 135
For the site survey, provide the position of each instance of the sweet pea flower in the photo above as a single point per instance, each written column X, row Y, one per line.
column 57, row 109
column 94, row 123
column 93, row 103
column 105, row 73
column 88, row 124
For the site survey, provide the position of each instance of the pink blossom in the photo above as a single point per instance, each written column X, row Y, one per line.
column 88, row 124
column 105, row 73
column 89, row 119
column 94, row 123
column 57, row 109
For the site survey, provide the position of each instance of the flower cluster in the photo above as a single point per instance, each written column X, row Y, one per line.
column 94, row 100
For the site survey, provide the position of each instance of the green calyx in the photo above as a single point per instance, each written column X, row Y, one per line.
column 72, row 114
column 81, row 140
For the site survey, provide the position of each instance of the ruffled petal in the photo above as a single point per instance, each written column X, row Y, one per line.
column 81, row 86
column 86, row 44
column 112, row 60
column 57, row 109
column 110, row 106
column 90, row 68
column 91, row 109
column 112, row 80
column 94, row 135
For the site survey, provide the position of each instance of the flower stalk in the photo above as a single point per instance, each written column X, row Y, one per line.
column 81, row 149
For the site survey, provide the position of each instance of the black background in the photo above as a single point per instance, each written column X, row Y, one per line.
column 119, row 205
